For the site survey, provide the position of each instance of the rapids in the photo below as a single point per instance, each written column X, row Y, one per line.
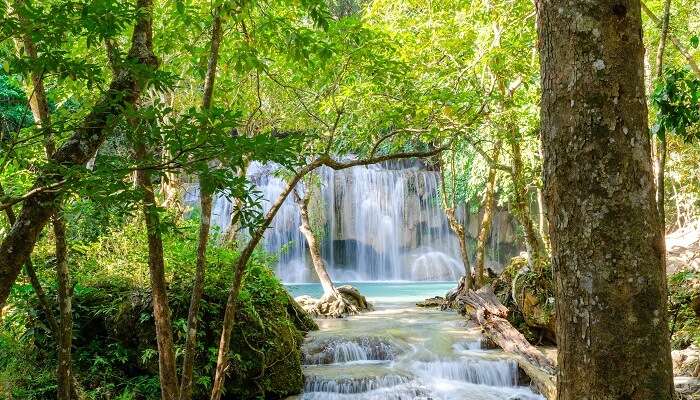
column 402, row 352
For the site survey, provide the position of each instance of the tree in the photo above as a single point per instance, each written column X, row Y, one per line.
column 41, row 202
column 449, row 205
column 487, row 219
column 607, row 243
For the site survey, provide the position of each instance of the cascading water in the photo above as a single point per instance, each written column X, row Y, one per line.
column 428, row 354
column 380, row 223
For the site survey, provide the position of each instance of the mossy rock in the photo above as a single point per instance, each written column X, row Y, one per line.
column 115, row 338
column 530, row 297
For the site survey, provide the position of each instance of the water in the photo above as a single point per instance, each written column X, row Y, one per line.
column 379, row 223
column 403, row 352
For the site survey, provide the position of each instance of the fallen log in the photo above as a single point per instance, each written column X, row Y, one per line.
column 483, row 307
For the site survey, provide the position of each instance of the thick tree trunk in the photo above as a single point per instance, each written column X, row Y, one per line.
column 314, row 248
column 607, row 244
column 522, row 206
column 65, row 337
column 487, row 219
column 36, row 211
column 156, row 268
column 205, row 223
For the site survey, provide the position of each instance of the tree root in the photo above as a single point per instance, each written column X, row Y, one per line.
column 346, row 301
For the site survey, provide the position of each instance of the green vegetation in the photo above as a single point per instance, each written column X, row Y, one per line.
column 113, row 112
column 114, row 335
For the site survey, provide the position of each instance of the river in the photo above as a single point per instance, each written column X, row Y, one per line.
column 402, row 352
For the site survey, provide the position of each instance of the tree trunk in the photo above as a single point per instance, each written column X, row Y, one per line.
column 156, row 269
column 661, row 148
column 314, row 248
column 522, row 206
column 65, row 337
column 458, row 229
column 39, row 105
column 205, row 223
column 487, row 219
column 17, row 246
column 607, row 245
column 196, row 299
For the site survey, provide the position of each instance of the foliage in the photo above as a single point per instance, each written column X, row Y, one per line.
column 114, row 334
column 677, row 101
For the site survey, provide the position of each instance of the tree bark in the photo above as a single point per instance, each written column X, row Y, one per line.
column 17, row 246
column 65, row 337
column 39, row 105
column 156, row 269
column 314, row 248
column 661, row 148
column 522, row 206
column 448, row 204
column 205, row 223
column 487, row 219
column 607, row 245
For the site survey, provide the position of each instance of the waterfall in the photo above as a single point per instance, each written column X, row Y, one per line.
column 377, row 223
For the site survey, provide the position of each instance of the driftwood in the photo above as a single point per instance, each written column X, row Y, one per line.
column 483, row 307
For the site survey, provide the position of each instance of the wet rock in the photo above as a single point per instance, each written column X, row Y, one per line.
column 436, row 301
column 320, row 351
column 687, row 388
column 346, row 301
column 686, row 362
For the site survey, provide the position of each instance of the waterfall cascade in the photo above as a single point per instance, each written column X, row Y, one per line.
column 378, row 223
column 434, row 355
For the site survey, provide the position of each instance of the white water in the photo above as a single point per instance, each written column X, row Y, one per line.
column 405, row 353
column 381, row 223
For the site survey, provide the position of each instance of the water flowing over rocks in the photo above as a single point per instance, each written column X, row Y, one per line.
column 403, row 352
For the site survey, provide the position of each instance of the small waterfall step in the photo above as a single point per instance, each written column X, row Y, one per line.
column 337, row 350
column 370, row 382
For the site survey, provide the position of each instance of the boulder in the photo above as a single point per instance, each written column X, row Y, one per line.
column 346, row 300
column 436, row 301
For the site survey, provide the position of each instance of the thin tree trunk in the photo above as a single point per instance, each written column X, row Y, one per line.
column 156, row 268
column 39, row 105
column 448, row 204
column 677, row 43
column 314, row 248
column 679, row 216
column 196, row 299
column 607, row 243
column 487, row 219
column 17, row 246
column 205, row 223
column 65, row 337
column 521, row 205
column 661, row 148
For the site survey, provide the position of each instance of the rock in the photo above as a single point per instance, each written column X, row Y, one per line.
column 346, row 301
column 686, row 362
column 436, row 301
column 687, row 388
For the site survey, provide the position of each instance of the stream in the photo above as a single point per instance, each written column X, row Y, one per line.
column 402, row 352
